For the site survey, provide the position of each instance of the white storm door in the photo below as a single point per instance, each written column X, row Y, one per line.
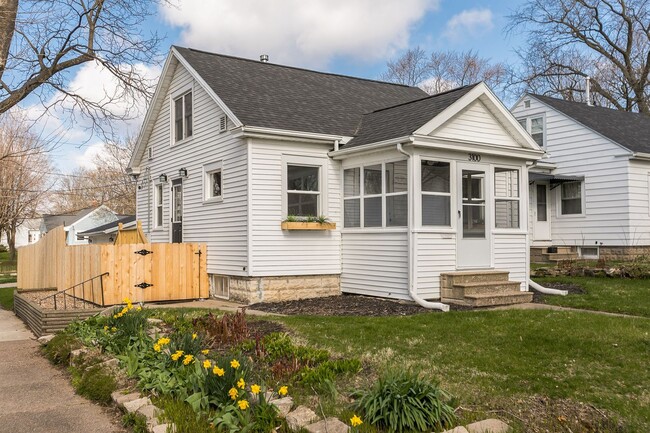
column 474, row 217
column 541, row 212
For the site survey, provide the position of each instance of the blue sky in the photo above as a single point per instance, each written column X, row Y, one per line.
column 351, row 37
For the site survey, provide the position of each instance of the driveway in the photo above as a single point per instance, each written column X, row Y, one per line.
column 35, row 396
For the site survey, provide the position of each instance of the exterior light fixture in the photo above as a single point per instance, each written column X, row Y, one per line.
column 162, row 178
column 182, row 172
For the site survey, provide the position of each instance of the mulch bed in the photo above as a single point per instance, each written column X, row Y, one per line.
column 573, row 289
column 48, row 304
column 346, row 305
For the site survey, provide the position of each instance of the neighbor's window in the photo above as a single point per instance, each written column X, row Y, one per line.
column 213, row 181
column 506, row 198
column 534, row 125
column 158, row 205
column 436, row 193
column 183, row 117
column 303, row 190
column 571, row 198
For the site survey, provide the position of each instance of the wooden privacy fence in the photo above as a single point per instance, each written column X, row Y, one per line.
column 143, row 272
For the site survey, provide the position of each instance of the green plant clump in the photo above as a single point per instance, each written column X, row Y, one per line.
column 96, row 384
column 403, row 401
column 59, row 348
column 136, row 421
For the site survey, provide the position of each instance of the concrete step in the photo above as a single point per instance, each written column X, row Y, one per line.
column 488, row 288
column 554, row 257
column 501, row 299
column 564, row 250
column 449, row 279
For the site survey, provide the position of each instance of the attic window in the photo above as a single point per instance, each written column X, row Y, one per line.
column 183, row 117
column 149, row 152
column 527, row 103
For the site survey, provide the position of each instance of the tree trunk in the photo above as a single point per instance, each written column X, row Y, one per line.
column 11, row 241
column 8, row 12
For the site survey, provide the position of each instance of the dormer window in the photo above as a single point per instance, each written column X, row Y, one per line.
column 534, row 125
column 183, row 117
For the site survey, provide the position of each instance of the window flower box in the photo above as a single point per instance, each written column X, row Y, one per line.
column 303, row 225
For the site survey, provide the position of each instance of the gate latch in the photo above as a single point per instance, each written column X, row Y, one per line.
column 144, row 252
column 143, row 285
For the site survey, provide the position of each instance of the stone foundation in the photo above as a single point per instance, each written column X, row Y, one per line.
column 624, row 253
column 251, row 290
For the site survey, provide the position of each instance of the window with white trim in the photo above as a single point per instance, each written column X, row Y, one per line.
column 534, row 125
column 182, row 108
column 303, row 190
column 213, row 181
column 436, row 193
column 571, row 198
column 158, row 205
column 506, row 198
column 379, row 192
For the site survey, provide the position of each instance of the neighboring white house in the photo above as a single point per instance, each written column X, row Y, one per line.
column 77, row 222
column 26, row 233
column 106, row 233
column 418, row 185
column 591, row 194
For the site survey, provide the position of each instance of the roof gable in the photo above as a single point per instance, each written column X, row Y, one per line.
column 629, row 130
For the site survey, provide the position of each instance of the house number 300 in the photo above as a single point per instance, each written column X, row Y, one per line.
column 474, row 157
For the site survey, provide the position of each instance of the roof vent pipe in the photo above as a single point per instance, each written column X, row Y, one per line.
column 588, row 90
column 264, row 58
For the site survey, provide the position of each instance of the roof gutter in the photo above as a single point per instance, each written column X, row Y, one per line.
column 380, row 145
column 412, row 242
column 641, row 155
column 283, row 134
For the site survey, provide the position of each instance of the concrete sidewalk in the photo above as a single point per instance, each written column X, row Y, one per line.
column 35, row 396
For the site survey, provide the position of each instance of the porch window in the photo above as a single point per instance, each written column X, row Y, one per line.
column 303, row 190
column 436, row 193
column 571, row 198
column 183, row 117
column 376, row 195
column 506, row 198
column 158, row 205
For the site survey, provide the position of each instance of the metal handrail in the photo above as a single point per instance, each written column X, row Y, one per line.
column 83, row 293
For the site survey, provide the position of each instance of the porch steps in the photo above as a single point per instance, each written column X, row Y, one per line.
column 542, row 255
column 482, row 288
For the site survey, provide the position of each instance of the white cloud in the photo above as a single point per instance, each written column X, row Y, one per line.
column 473, row 22
column 86, row 156
column 299, row 32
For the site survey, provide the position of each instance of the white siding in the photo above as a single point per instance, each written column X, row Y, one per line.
column 375, row 264
column 578, row 151
column 476, row 123
column 436, row 255
column 222, row 225
column 277, row 252
column 639, row 191
column 511, row 254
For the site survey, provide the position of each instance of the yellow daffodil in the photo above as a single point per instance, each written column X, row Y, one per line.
column 175, row 356
column 243, row 404
column 162, row 341
column 218, row 371
column 234, row 364
column 207, row 364
column 126, row 300
column 355, row 421
column 284, row 390
column 139, row 308
column 255, row 389
column 114, row 316
column 233, row 393
column 188, row 359
column 241, row 384
column 113, row 329
column 194, row 336
column 156, row 347
column 106, row 328
column 205, row 351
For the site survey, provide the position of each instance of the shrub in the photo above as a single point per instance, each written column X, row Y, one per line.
column 96, row 384
column 227, row 331
column 403, row 401
column 136, row 421
column 59, row 348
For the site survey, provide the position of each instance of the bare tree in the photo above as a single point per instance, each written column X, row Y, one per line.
column 107, row 183
column 607, row 40
column 23, row 177
column 43, row 41
column 445, row 70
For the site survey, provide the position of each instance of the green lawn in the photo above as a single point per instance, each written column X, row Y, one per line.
column 497, row 362
column 7, row 298
column 615, row 295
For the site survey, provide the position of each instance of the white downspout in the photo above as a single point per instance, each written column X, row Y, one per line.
column 412, row 254
column 546, row 290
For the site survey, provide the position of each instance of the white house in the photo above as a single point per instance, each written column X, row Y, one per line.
column 590, row 195
column 28, row 232
column 77, row 222
column 420, row 187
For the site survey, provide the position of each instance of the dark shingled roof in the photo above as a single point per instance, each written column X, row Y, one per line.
column 275, row 96
column 124, row 219
column 404, row 119
column 630, row 130
column 52, row 221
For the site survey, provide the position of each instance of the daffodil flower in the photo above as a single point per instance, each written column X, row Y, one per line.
column 255, row 389
column 284, row 390
column 207, row 364
column 234, row 364
column 218, row 371
column 241, row 384
column 243, row 404
column 355, row 421
column 233, row 393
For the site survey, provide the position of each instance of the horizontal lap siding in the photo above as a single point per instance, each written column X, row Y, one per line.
column 640, row 202
column 578, row 151
column 510, row 255
column 436, row 255
column 222, row 225
column 277, row 252
column 375, row 264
